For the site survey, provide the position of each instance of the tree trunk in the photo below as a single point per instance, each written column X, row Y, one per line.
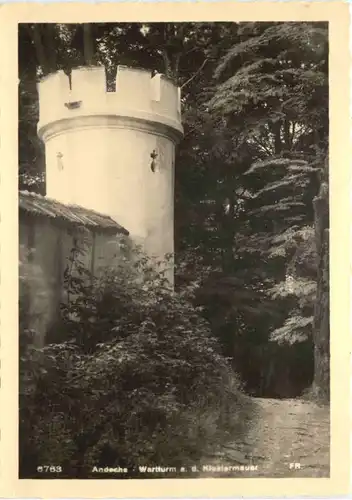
column 88, row 45
column 287, row 135
column 50, row 46
column 321, row 326
column 276, row 130
column 228, row 229
column 40, row 49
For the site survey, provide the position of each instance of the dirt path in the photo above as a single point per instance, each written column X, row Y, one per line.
column 288, row 438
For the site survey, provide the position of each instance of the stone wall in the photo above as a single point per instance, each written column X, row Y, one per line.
column 45, row 249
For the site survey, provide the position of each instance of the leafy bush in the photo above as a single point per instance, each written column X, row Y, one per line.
column 137, row 379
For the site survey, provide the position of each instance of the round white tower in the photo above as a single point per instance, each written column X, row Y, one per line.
column 114, row 152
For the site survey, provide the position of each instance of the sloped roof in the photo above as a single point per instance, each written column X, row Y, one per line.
column 38, row 205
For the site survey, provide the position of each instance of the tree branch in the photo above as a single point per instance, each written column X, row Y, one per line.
column 265, row 148
column 195, row 74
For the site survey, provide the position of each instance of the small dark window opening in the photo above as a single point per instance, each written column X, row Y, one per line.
column 153, row 156
column 73, row 105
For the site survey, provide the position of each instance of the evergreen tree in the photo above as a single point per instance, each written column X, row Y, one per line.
column 273, row 92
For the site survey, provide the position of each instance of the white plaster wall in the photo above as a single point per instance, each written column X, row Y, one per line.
column 109, row 170
column 78, row 176
column 108, row 251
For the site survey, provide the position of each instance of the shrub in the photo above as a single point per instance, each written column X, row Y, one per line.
column 137, row 380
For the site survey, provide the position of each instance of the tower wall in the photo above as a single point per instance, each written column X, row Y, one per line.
column 114, row 152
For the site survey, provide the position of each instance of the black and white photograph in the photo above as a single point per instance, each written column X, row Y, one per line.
column 174, row 224
column 174, row 229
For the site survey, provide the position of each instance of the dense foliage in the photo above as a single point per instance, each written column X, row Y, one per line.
column 273, row 93
column 145, row 384
column 251, row 190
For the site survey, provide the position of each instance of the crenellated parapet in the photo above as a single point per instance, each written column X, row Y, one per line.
column 83, row 98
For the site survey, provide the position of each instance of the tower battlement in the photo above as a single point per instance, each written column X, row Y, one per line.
column 137, row 95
